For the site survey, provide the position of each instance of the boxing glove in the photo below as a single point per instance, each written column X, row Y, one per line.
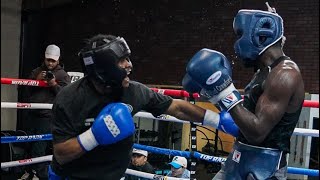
column 221, row 121
column 212, row 72
column 189, row 85
column 114, row 123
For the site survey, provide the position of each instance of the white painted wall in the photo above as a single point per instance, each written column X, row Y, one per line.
column 10, row 48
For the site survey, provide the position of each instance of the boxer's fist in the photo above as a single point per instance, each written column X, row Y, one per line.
column 190, row 85
column 227, row 124
column 114, row 123
column 221, row 121
column 212, row 71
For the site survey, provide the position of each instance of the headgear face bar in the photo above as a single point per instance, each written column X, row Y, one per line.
column 102, row 61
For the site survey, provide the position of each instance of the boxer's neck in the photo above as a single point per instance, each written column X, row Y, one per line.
column 269, row 56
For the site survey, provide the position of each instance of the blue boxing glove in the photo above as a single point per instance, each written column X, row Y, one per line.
column 221, row 121
column 212, row 71
column 114, row 123
column 190, row 85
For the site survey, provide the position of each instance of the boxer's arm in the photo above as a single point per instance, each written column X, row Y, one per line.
column 184, row 110
column 65, row 145
column 272, row 104
column 67, row 151
column 114, row 123
column 187, row 111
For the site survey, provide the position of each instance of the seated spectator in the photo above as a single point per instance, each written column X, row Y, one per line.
column 139, row 162
column 179, row 168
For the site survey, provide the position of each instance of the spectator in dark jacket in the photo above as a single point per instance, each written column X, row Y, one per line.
column 38, row 121
column 139, row 162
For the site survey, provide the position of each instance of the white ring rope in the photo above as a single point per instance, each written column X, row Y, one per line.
column 306, row 132
column 13, row 105
column 24, row 162
column 297, row 131
column 151, row 176
column 49, row 158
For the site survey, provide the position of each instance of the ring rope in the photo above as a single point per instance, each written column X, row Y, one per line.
column 30, row 138
column 151, row 176
column 156, row 150
column 177, row 93
column 183, row 93
column 297, row 131
column 23, row 82
column 48, row 158
column 169, row 92
column 24, row 162
column 291, row 170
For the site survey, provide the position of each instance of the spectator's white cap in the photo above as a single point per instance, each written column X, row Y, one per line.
column 139, row 151
column 179, row 161
column 52, row 52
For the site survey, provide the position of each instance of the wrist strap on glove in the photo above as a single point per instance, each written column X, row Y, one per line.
column 222, row 121
column 87, row 140
column 227, row 124
column 211, row 119
column 232, row 99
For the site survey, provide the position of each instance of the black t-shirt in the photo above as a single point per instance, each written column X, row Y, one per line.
column 73, row 108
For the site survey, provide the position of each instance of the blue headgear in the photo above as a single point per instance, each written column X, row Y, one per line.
column 257, row 31
column 102, row 62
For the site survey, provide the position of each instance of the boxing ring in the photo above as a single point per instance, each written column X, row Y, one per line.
column 193, row 154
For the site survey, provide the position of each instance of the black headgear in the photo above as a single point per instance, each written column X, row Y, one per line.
column 101, row 61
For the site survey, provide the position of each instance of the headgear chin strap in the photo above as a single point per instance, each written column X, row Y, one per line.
column 102, row 62
column 256, row 30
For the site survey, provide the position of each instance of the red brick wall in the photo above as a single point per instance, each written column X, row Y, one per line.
column 163, row 35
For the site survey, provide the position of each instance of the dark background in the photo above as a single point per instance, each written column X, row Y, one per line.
column 163, row 35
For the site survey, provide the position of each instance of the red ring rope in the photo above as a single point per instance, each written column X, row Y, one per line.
column 169, row 92
column 183, row 93
column 23, row 82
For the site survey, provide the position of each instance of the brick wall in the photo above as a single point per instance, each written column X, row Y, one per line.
column 163, row 35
